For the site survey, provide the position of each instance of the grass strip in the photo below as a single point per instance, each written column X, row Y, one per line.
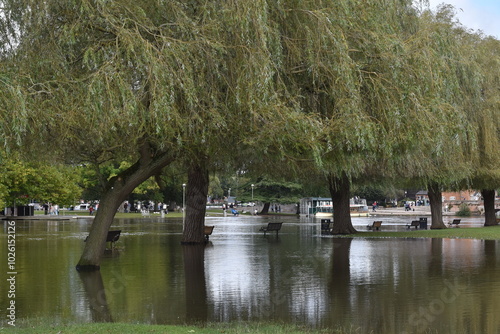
column 33, row 326
column 483, row 233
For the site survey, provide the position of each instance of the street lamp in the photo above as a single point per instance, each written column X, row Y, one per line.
column 253, row 185
column 183, row 206
column 228, row 194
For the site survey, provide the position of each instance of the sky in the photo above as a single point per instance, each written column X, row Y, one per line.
column 476, row 14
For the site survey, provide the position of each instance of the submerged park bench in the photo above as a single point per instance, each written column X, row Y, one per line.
column 208, row 231
column 271, row 227
column 414, row 223
column 325, row 226
column 375, row 226
column 111, row 237
column 455, row 222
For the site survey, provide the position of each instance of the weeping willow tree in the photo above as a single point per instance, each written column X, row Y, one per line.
column 347, row 62
column 150, row 82
column 448, row 82
column 241, row 100
column 486, row 120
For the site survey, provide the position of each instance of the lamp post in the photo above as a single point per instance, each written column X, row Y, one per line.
column 253, row 185
column 229, row 195
column 183, row 206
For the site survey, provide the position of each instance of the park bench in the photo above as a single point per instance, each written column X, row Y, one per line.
column 455, row 222
column 325, row 226
column 208, row 231
column 111, row 237
column 414, row 223
column 271, row 227
column 375, row 226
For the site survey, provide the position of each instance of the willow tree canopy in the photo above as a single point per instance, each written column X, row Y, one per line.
column 96, row 79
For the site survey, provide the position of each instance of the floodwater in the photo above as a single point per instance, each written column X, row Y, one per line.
column 382, row 285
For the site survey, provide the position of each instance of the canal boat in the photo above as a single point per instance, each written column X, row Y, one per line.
column 323, row 207
column 357, row 210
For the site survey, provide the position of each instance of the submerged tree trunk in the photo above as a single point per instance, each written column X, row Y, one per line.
column 490, row 218
column 436, row 201
column 196, row 205
column 265, row 209
column 340, row 192
column 117, row 190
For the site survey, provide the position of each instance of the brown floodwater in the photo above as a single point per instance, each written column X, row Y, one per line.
column 384, row 285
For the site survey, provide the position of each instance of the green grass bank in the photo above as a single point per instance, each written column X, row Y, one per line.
column 483, row 233
column 32, row 327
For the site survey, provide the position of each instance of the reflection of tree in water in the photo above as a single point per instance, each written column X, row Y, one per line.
column 340, row 278
column 196, row 291
column 96, row 295
column 436, row 257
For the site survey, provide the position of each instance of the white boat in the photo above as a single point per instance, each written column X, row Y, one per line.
column 357, row 210
column 323, row 207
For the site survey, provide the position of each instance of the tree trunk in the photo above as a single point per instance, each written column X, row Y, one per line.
column 265, row 209
column 340, row 192
column 436, row 201
column 490, row 218
column 196, row 205
column 117, row 190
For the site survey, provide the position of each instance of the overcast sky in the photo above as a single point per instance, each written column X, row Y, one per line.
column 476, row 14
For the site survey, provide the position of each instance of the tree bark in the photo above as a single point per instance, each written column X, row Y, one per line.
column 265, row 209
column 490, row 218
column 117, row 190
column 436, row 201
column 340, row 192
column 196, row 205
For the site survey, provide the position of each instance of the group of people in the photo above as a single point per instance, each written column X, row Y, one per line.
column 52, row 209
column 144, row 207
column 407, row 206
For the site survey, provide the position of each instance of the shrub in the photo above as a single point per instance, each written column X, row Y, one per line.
column 464, row 210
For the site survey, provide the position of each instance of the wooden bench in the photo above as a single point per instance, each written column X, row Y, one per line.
column 455, row 222
column 375, row 226
column 271, row 227
column 111, row 237
column 208, row 231
column 414, row 223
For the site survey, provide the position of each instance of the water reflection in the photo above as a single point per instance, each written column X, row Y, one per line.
column 384, row 285
column 96, row 296
column 196, row 291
